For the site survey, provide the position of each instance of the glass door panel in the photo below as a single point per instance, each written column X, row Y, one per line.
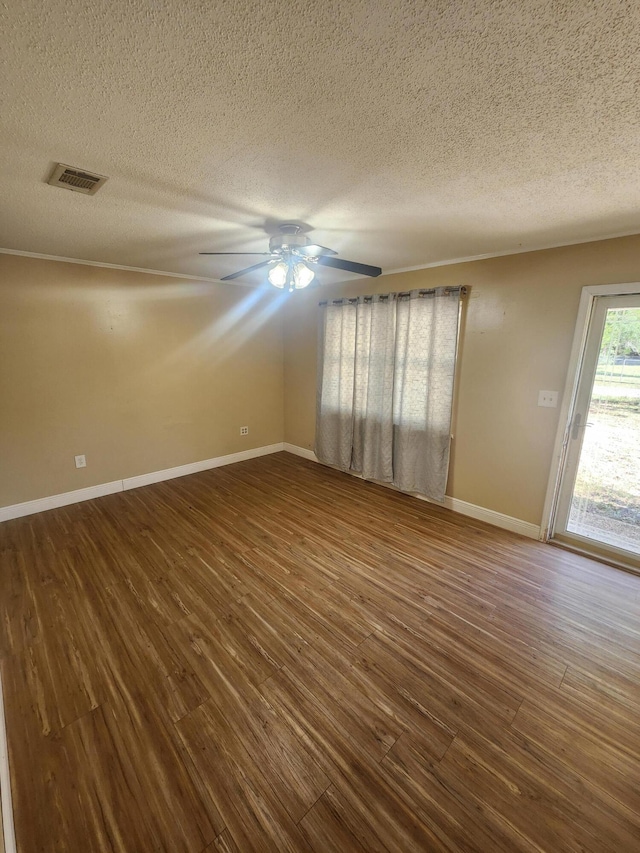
column 599, row 498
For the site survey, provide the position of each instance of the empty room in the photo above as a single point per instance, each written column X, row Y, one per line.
column 320, row 426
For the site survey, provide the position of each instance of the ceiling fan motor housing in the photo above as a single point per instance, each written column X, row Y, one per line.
column 289, row 238
column 292, row 257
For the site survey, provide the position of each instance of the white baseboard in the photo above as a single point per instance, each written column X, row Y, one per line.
column 5, row 784
column 498, row 519
column 300, row 451
column 515, row 525
column 196, row 467
column 64, row 499
column 78, row 495
column 480, row 513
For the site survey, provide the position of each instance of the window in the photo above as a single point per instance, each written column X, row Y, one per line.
column 387, row 365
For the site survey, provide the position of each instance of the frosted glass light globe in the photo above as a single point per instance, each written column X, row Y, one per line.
column 302, row 275
column 278, row 275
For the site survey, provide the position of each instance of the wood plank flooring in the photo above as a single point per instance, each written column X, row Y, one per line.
column 274, row 656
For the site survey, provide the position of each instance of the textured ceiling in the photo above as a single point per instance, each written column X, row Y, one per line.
column 404, row 133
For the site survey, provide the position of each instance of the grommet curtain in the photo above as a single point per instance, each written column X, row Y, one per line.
column 385, row 387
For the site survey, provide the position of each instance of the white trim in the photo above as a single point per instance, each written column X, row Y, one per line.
column 196, row 467
column 91, row 492
column 300, row 451
column 445, row 263
column 585, row 308
column 64, row 499
column 41, row 257
column 490, row 516
column 480, row 513
column 628, row 287
column 5, row 783
column 488, row 255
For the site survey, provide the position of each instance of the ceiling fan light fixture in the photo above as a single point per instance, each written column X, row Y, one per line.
column 291, row 260
column 294, row 274
column 302, row 275
column 277, row 275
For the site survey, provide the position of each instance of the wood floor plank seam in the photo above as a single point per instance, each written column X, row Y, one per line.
column 321, row 794
column 566, row 670
column 274, row 656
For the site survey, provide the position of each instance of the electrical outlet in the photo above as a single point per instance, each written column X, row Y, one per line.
column 548, row 399
column 244, row 430
column 81, row 461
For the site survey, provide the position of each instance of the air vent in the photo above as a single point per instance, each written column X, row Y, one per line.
column 70, row 178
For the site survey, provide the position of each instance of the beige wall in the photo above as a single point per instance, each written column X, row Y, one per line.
column 142, row 372
column 519, row 322
column 138, row 372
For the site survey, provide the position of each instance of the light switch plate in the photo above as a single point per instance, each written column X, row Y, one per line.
column 548, row 399
column 81, row 461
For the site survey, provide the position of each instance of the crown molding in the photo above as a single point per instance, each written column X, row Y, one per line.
column 81, row 261
column 488, row 255
column 445, row 263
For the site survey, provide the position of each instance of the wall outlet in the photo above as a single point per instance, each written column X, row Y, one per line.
column 244, row 430
column 81, row 461
column 548, row 399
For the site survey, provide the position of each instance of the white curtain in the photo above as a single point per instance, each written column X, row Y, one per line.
column 372, row 454
column 385, row 387
column 425, row 362
column 336, row 366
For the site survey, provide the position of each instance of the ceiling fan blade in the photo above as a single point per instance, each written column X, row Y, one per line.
column 350, row 266
column 245, row 271
column 234, row 253
column 314, row 251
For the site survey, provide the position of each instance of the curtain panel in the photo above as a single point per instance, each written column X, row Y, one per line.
column 385, row 387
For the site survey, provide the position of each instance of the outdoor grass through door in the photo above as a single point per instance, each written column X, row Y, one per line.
column 599, row 496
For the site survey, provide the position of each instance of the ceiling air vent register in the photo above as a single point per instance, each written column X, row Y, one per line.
column 71, row 178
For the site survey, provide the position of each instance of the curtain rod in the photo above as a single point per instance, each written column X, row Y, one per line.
column 403, row 293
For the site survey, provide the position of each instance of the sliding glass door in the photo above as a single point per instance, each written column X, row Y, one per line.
column 599, row 497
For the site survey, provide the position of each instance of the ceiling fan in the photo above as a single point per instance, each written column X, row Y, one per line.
column 291, row 259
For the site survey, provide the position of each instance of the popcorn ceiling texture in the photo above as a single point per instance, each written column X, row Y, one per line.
column 404, row 133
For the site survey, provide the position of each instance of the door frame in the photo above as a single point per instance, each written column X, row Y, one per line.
column 565, row 419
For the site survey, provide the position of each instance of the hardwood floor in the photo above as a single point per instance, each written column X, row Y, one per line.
column 274, row 656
